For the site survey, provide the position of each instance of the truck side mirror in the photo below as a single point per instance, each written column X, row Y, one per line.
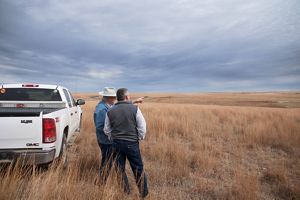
column 80, row 102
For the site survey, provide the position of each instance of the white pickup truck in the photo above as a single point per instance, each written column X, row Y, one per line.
column 37, row 122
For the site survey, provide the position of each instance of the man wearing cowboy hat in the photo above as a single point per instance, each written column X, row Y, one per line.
column 108, row 99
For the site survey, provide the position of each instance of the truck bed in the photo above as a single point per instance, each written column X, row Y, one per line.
column 12, row 112
column 29, row 108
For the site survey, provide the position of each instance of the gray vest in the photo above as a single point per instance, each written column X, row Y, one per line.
column 122, row 117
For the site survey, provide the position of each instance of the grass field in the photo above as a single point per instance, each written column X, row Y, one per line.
column 198, row 146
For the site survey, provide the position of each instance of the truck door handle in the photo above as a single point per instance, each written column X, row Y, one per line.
column 71, row 114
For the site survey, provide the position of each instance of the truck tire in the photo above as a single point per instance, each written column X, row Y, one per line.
column 63, row 159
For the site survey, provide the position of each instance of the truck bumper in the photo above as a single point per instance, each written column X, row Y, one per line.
column 26, row 156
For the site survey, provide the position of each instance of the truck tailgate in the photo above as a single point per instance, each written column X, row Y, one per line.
column 21, row 132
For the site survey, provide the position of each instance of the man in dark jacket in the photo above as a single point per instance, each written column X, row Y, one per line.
column 108, row 100
column 125, row 126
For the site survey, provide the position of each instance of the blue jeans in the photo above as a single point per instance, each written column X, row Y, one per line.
column 106, row 160
column 130, row 150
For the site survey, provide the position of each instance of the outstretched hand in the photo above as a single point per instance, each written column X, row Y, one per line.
column 139, row 100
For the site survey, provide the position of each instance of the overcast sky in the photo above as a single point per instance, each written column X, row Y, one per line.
column 152, row 45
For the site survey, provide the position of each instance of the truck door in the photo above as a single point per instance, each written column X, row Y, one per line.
column 77, row 113
column 72, row 109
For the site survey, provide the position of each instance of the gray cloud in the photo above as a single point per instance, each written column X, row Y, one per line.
column 166, row 45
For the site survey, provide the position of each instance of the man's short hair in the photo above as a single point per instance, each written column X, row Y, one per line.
column 122, row 93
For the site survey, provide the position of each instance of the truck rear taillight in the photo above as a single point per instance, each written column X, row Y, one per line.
column 49, row 130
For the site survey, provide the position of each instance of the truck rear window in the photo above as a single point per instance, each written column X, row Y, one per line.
column 29, row 94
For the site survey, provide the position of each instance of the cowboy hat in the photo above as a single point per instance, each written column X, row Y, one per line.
column 108, row 92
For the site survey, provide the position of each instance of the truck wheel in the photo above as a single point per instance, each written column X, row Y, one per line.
column 63, row 159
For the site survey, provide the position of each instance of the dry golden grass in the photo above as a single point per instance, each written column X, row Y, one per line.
column 192, row 151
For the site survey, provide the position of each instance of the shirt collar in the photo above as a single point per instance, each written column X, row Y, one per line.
column 105, row 104
column 108, row 105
